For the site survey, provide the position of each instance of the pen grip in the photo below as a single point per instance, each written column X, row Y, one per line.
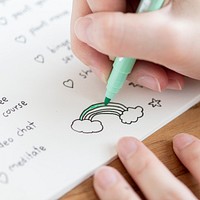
column 123, row 66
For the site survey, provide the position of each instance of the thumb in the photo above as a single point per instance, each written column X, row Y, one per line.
column 146, row 36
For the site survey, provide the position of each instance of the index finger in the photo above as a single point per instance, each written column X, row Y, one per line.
column 153, row 178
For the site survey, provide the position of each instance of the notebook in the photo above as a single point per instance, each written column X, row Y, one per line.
column 54, row 129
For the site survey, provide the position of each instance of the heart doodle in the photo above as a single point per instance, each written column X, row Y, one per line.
column 69, row 83
column 21, row 39
column 39, row 58
column 3, row 21
column 3, row 178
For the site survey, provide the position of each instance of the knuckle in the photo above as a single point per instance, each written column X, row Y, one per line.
column 194, row 152
column 195, row 157
column 181, row 49
column 178, row 42
column 141, row 166
column 112, row 30
column 171, row 193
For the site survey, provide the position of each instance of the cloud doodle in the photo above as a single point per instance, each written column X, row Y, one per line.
column 87, row 126
column 131, row 115
column 86, row 123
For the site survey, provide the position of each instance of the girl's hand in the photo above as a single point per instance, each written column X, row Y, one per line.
column 165, row 42
column 154, row 179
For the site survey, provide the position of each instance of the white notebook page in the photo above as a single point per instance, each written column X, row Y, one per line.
column 54, row 129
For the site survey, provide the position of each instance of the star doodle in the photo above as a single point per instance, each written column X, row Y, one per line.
column 155, row 103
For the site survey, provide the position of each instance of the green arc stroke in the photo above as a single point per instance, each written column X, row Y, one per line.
column 101, row 108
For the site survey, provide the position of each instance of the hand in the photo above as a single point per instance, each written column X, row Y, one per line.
column 166, row 42
column 153, row 178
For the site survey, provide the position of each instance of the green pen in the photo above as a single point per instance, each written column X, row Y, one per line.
column 123, row 66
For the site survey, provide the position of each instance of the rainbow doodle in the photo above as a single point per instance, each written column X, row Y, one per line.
column 87, row 124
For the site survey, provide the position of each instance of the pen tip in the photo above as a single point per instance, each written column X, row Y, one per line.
column 107, row 101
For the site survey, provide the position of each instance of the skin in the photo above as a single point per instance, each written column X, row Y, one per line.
column 154, row 179
column 167, row 50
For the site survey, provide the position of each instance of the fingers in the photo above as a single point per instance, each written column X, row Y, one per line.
column 175, row 80
column 155, row 77
column 187, row 148
column 149, row 75
column 118, row 41
column 109, row 184
column 130, row 35
column 149, row 173
column 98, row 62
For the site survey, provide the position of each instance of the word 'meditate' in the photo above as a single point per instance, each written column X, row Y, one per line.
column 27, row 157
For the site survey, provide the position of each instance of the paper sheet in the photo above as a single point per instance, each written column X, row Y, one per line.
column 54, row 130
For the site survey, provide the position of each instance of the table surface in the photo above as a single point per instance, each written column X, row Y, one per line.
column 161, row 144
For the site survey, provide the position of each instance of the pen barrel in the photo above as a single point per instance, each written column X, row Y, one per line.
column 149, row 5
column 122, row 67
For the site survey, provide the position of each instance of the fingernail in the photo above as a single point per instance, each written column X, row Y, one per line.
column 174, row 84
column 98, row 73
column 105, row 177
column 127, row 147
column 82, row 29
column 149, row 82
column 182, row 140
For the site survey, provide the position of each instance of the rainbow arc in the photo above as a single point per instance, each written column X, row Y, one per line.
column 100, row 108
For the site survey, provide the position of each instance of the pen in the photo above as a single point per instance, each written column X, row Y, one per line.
column 123, row 66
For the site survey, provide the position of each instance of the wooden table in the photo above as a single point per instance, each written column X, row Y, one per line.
column 161, row 144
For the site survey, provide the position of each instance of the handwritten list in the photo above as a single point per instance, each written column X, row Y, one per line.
column 54, row 129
